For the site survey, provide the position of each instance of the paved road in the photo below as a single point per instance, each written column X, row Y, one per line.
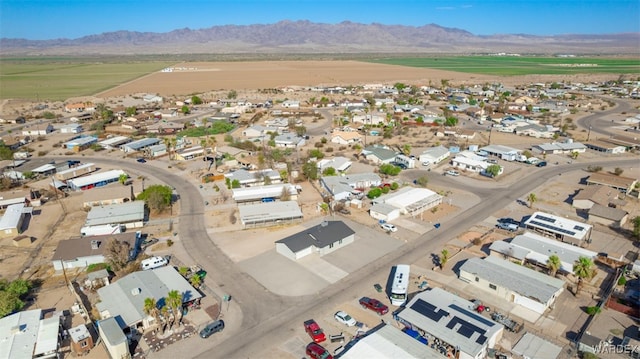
column 594, row 123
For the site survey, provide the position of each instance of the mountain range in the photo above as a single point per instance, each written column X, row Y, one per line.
column 305, row 37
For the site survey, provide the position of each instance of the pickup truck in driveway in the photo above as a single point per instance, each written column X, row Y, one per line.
column 374, row 304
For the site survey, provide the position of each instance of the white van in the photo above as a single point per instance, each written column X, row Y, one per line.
column 154, row 262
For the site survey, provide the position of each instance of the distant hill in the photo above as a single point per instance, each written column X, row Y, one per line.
column 304, row 37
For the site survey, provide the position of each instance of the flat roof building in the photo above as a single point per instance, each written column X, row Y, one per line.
column 139, row 145
column 518, row 284
column 270, row 213
column 258, row 193
column 537, row 249
column 95, row 180
column 387, row 341
column 129, row 214
column 23, row 335
column 563, row 229
column 441, row 315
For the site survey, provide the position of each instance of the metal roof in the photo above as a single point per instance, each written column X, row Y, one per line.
column 95, row 178
column 541, row 248
column 47, row 341
column 409, row 197
column 80, row 167
column 125, row 297
column 269, row 212
column 19, row 344
column 531, row 346
column 259, row 192
column 451, row 319
column 389, row 342
column 116, row 213
column 522, row 280
column 12, row 216
column 44, row 168
column 111, row 331
column 319, row 236
column 81, row 141
column 142, row 143
column 117, row 140
column 558, row 225
column 499, row 149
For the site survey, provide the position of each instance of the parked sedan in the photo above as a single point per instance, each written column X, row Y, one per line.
column 452, row 173
column 345, row 318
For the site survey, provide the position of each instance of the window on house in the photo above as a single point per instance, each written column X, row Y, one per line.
column 331, row 245
column 492, row 286
column 477, row 279
column 340, row 241
column 84, row 344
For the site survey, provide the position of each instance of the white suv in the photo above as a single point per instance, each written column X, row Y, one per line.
column 388, row 227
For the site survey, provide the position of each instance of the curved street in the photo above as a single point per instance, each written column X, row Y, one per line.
column 266, row 317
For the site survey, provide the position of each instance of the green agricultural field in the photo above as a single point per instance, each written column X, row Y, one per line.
column 60, row 78
column 513, row 66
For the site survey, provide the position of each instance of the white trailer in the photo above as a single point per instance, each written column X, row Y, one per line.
column 101, row 230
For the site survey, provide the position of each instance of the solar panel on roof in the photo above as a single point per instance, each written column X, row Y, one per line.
column 555, row 229
column 545, row 218
column 473, row 315
column 428, row 310
column 578, row 228
column 466, row 331
column 481, row 339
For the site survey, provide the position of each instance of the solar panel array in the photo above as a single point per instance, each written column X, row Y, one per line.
column 545, row 218
column 467, row 329
column 473, row 315
column 553, row 228
column 429, row 310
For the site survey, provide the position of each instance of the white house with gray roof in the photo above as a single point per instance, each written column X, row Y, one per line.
column 407, row 200
column 515, row 283
column 323, row 238
column 343, row 187
column 125, row 297
column 288, row 140
column 12, row 219
column 379, row 154
column 534, row 248
column 340, row 164
column 559, row 147
column 434, row 155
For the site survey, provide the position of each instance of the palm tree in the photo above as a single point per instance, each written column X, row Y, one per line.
column 164, row 311
column 174, row 301
column 531, row 198
column 195, row 281
column 553, row 264
column 582, row 268
column 151, row 309
column 142, row 178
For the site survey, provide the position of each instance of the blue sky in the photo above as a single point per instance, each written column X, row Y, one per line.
column 39, row 19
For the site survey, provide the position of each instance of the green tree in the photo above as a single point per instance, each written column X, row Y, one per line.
column 443, row 258
column 618, row 171
column 329, row 171
column 451, row 121
column 185, row 109
column 636, row 227
column 130, row 111
column 123, row 178
column 574, row 154
column 310, row 170
column 532, row 198
column 583, row 269
column 374, row 193
column 406, row 149
column 9, row 303
column 493, row 170
column 195, row 100
column 316, row 153
column 157, row 197
column 394, row 186
column 232, row 94
column 151, row 309
column 389, row 169
column 593, row 310
column 422, row 181
column 195, row 281
column 235, row 183
column 6, row 153
column 174, row 301
column 48, row 115
column 553, row 264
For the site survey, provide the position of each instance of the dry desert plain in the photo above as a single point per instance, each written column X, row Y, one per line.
column 200, row 77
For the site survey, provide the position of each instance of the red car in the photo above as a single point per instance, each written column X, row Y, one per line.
column 374, row 304
column 317, row 351
column 315, row 332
